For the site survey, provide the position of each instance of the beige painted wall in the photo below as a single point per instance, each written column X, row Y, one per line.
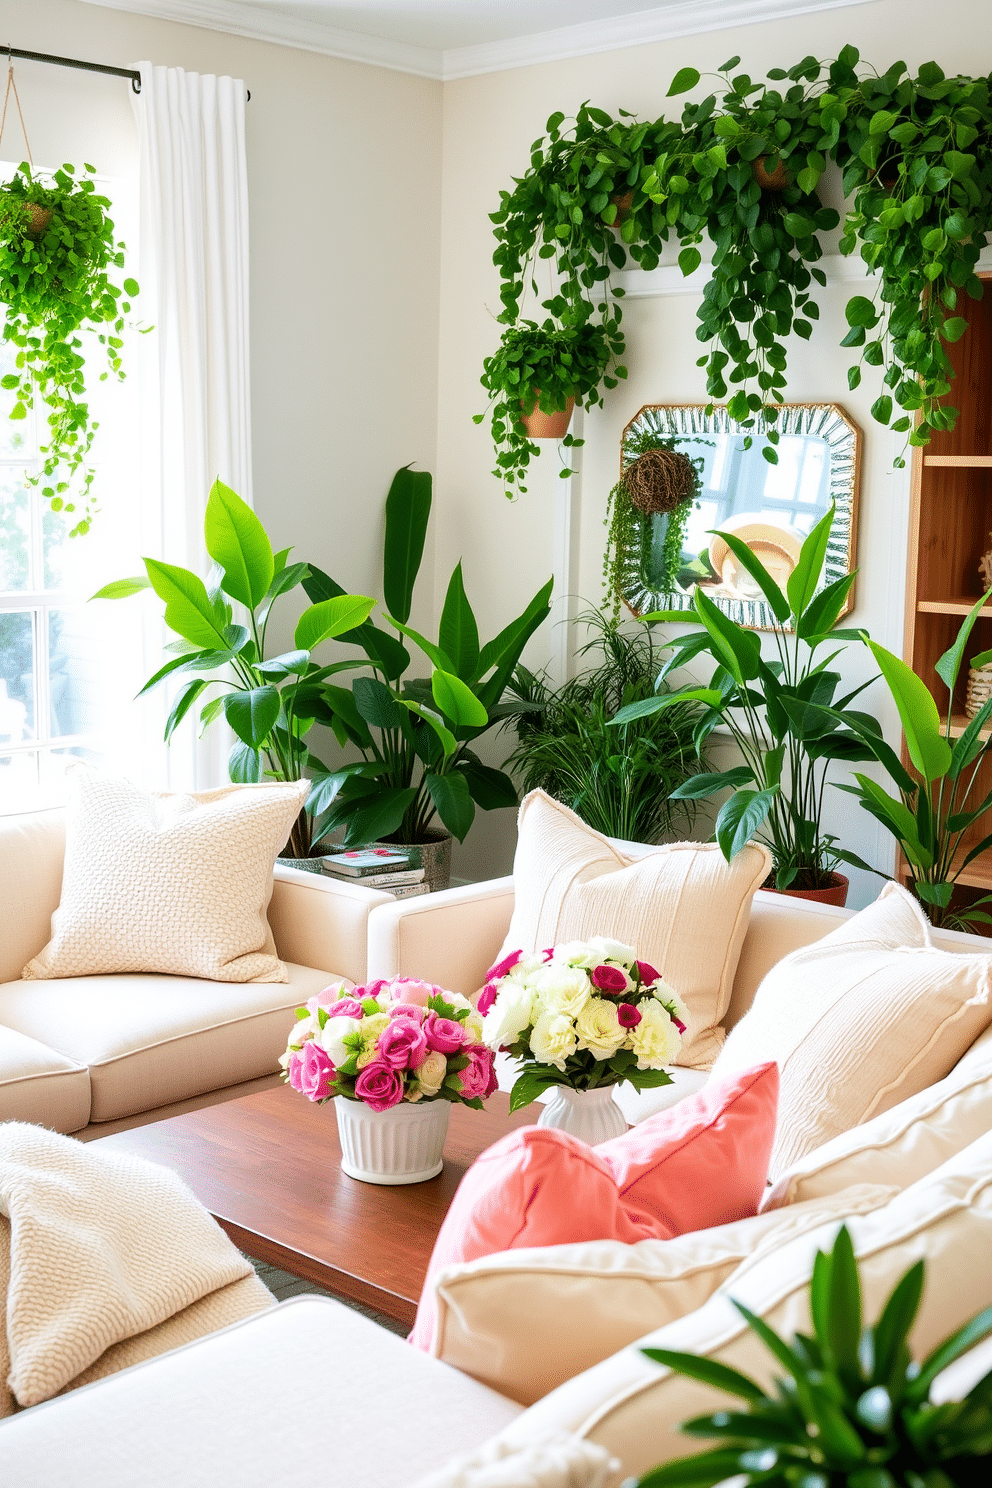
column 344, row 197
column 489, row 124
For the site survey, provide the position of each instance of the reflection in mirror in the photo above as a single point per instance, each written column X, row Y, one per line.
column 686, row 473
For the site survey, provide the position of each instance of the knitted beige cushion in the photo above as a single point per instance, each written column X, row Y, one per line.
column 683, row 908
column 903, row 1144
column 859, row 1021
column 168, row 883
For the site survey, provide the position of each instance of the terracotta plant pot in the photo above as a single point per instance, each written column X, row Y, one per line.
column 548, row 425
column 836, row 894
column 775, row 180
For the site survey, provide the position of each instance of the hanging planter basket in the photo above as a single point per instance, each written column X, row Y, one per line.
column 39, row 219
column 547, row 425
column 660, row 480
column 771, row 180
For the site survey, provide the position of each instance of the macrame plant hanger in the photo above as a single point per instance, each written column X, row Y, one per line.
column 12, row 88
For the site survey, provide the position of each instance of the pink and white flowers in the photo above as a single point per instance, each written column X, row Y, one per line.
column 583, row 1014
column 402, row 1040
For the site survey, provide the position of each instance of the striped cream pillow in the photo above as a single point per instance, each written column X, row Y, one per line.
column 859, row 1021
column 683, row 908
column 176, row 884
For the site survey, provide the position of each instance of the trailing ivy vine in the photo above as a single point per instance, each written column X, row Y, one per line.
column 741, row 169
column 628, row 527
column 57, row 254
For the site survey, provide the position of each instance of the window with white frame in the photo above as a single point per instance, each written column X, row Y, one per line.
column 69, row 668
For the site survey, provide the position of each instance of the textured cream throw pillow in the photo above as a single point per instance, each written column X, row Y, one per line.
column 859, row 1021
column 176, row 884
column 683, row 908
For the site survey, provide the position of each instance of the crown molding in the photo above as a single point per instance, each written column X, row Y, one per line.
column 687, row 18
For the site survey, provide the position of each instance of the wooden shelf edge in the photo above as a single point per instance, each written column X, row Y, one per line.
column 959, row 722
column 959, row 462
column 960, row 606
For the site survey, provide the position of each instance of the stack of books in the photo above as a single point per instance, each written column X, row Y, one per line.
column 394, row 871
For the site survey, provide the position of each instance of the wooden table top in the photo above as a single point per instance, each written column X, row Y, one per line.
column 268, row 1167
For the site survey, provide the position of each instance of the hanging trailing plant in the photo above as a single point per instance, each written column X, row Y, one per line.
column 741, row 170
column 541, row 367
column 648, row 486
column 57, row 255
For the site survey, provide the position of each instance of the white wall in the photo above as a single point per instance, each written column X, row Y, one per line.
column 344, row 200
column 489, row 124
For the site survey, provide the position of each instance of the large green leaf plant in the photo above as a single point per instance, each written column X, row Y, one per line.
column 783, row 713
column 850, row 1408
column 414, row 735
column 270, row 702
column 934, row 816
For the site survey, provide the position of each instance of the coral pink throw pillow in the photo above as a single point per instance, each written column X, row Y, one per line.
column 700, row 1163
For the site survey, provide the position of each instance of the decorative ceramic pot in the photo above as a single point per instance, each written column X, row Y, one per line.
column 835, row 894
column 306, row 865
column 591, row 1115
column 434, row 857
column 548, row 425
column 401, row 1145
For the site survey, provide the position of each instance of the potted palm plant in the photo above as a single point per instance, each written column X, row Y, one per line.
column 417, row 780
column 783, row 714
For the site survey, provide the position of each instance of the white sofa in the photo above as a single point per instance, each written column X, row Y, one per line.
column 92, row 1055
column 311, row 1388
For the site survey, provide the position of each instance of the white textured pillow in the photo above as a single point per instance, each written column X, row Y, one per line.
column 563, row 1461
column 633, row 1407
column 525, row 1321
column 901, row 1145
column 176, row 884
column 683, row 908
column 865, row 1017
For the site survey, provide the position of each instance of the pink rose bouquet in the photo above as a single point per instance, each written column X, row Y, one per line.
column 585, row 1014
column 390, row 1041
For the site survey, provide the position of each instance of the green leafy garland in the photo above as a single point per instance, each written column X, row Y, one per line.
column 628, row 527
column 741, row 169
column 54, row 282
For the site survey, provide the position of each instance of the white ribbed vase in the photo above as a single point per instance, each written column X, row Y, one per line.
column 401, row 1145
column 591, row 1115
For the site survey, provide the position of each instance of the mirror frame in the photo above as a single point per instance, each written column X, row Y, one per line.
column 825, row 420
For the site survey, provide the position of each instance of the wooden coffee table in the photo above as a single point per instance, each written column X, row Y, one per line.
column 268, row 1167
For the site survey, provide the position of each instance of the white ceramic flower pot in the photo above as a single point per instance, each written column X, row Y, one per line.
column 401, row 1145
column 591, row 1115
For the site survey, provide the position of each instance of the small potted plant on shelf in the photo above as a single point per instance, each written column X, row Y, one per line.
column 57, row 257
column 620, row 784
column 393, row 1056
column 784, row 716
column 534, row 380
column 268, row 701
column 853, row 1409
column 936, row 817
column 582, row 1018
column 414, row 735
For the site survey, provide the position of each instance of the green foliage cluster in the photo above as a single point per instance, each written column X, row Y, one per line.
column 626, row 526
column 619, row 781
column 414, row 735
column 54, row 284
column 916, row 162
column 932, row 813
column 852, row 1408
column 271, row 703
column 541, row 366
column 784, row 714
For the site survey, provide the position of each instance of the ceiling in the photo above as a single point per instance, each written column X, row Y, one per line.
column 458, row 38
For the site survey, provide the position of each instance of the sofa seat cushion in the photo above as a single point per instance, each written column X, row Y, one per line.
column 41, row 1086
column 237, row 1408
column 151, row 1040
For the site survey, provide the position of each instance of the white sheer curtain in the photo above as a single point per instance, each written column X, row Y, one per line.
column 195, row 394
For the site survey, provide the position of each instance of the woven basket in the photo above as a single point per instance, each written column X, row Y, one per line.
column 979, row 689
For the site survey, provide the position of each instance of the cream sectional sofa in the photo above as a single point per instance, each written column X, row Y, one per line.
column 90, row 1055
column 310, row 1389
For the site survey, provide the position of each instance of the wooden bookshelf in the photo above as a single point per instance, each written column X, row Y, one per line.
column 950, row 526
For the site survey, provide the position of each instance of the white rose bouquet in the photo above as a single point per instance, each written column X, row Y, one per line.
column 585, row 1014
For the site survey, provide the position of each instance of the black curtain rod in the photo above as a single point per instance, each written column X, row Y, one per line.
column 125, row 72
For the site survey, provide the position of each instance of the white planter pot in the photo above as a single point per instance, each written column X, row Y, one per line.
column 591, row 1115
column 401, row 1145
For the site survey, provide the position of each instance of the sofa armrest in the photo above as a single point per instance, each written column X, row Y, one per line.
column 450, row 938
column 317, row 921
